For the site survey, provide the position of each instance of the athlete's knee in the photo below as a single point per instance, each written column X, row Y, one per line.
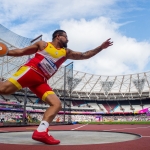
column 58, row 105
column 54, row 102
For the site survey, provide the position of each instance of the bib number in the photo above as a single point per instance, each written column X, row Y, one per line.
column 48, row 67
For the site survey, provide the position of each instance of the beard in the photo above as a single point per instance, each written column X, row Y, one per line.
column 64, row 44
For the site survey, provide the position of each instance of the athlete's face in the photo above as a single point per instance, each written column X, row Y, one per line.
column 63, row 40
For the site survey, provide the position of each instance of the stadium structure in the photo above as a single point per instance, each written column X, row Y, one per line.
column 90, row 95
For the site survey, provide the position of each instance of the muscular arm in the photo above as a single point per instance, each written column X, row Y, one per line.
column 88, row 54
column 27, row 50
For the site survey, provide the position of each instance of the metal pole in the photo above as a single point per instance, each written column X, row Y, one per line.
column 64, row 92
column 24, row 108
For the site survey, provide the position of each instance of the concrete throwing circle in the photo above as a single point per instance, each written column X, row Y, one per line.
column 69, row 137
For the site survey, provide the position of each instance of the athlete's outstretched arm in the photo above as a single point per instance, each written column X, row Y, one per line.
column 88, row 54
column 27, row 50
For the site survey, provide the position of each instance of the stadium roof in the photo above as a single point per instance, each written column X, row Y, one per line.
column 84, row 85
column 92, row 86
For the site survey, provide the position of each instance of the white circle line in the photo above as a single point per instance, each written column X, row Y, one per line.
column 79, row 127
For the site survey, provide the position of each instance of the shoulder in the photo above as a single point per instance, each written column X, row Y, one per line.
column 68, row 50
column 41, row 44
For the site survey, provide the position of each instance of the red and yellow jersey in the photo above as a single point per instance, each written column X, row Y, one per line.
column 47, row 61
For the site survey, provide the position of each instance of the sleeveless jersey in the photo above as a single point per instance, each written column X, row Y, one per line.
column 47, row 61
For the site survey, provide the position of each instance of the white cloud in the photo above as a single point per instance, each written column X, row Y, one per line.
column 125, row 56
column 87, row 23
column 27, row 17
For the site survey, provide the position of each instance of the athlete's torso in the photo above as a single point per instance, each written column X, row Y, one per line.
column 47, row 61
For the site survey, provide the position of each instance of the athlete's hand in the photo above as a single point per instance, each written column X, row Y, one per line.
column 106, row 44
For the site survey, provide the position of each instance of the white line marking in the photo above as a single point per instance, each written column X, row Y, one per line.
column 146, row 136
column 3, row 131
column 127, row 128
column 79, row 127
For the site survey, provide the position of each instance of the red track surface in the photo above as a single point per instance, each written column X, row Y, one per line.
column 141, row 144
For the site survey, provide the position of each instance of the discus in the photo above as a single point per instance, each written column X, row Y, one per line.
column 3, row 49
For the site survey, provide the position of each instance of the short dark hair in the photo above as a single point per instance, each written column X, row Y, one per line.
column 57, row 32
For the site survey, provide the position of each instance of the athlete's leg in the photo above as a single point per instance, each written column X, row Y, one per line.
column 55, row 107
column 7, row 88
column 16, row 82
column 44, row 92
column 24, row 77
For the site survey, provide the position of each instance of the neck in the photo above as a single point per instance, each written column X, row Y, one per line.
column 56, row 44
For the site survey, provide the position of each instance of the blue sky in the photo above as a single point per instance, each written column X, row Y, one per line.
column 138, row 13
column 88, row 23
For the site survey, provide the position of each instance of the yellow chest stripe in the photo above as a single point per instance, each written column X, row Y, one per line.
column 55, row 53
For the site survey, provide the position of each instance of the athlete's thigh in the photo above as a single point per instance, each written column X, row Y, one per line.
column 7, row 87
column 45, row 93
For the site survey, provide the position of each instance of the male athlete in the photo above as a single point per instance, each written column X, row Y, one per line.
column 35, row 73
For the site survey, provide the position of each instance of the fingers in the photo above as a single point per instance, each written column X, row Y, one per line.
column 109, row 42
column 109, row 39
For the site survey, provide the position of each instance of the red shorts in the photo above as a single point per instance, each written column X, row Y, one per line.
column 27, row 77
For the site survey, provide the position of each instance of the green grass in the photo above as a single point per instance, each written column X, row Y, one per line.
column 125, row 122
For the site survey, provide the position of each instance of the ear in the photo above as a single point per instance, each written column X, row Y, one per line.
column 57, row 36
